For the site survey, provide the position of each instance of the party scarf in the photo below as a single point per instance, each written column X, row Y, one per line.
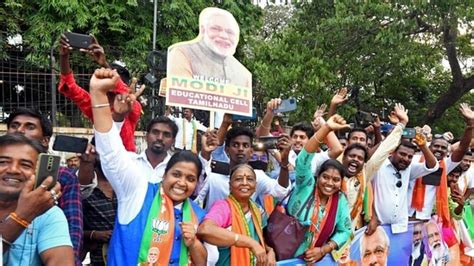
column 159, row 230
column 442, row 207
column 364, row 199
column 268, row 203
column 326, row 226
column 243, row 256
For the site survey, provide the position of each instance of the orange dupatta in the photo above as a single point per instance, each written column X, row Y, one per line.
column 441, row 195
column 243, row 256
column 364, row 194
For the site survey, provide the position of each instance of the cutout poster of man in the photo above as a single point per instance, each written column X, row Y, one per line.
column 204, row 74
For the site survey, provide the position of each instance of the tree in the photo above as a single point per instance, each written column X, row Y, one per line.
column 124, row 28
column 392, row 52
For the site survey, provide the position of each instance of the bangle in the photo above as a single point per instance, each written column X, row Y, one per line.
column 265, row 126
column 91, row 234
column 236, row 238
column 319, row 141
column 19, row 220
column 284, row 166
column 101, row 105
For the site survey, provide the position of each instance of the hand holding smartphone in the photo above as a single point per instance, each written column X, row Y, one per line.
column 48, row 165
column 286, row 105
column 77, row 40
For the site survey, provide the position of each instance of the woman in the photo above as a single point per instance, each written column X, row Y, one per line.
column 237, row 222
column 156, row 223
column 326, row 209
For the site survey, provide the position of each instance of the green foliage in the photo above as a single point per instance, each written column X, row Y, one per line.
column 392, row 51
column 124, row 28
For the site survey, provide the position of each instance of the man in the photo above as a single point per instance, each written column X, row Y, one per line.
column 426, row 191
column 160, row 137
column 418, row 248
column 188, row 127
column 69, row 88
column 72, row 161
column 466, row 180
column 33, row 230
column 238, row 146
column 439, row 251
column 374, row 248
column 35, row 126
column 357, row 135
column 390, row 182
column 99, row 206
column 210, row 57
column 358, row 175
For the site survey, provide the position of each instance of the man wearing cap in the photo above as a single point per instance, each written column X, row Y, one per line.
column 72, row 161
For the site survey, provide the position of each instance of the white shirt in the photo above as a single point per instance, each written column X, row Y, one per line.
column 318, row 159
column 126, row 176
column 216, row 187
column 187, row 130
column 390, row 201
column 153, row 175
column 430, row 192
column 466, row 178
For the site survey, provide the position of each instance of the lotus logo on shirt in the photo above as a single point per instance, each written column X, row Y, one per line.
column 160, row 227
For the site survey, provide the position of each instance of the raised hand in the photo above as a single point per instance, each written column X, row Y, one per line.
column 399, row 114
column 273, row 104
column 420, row 138
column 209, row 141
column 340, row 97
column 336, row 122
column 467, row 113
column 96, row 52
column 123, row 102
column 284, row 146
column 318, row 119
column 64, row 46
column 104, row 80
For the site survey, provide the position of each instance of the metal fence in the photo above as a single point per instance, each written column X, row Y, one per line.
column 24, row 85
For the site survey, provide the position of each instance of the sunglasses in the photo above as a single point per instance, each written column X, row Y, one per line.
column 399, row 177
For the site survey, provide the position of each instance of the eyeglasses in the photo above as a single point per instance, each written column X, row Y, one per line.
column 399, row 177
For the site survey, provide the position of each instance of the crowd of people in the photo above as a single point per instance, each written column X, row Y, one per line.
column 207, row 200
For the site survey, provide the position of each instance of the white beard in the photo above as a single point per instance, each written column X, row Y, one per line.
column 438, row 256
column 217, row 50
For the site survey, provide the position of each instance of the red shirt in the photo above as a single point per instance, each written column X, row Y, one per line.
column 82, row 99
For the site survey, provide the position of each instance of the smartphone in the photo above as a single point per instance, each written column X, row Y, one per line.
column 246, row 118
column 70, row 144
column 48, row 165
column 267, row 143
column 433, row 179
column 286, row 105
column 409, row 133
column 77, row 40
column 219, row 167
